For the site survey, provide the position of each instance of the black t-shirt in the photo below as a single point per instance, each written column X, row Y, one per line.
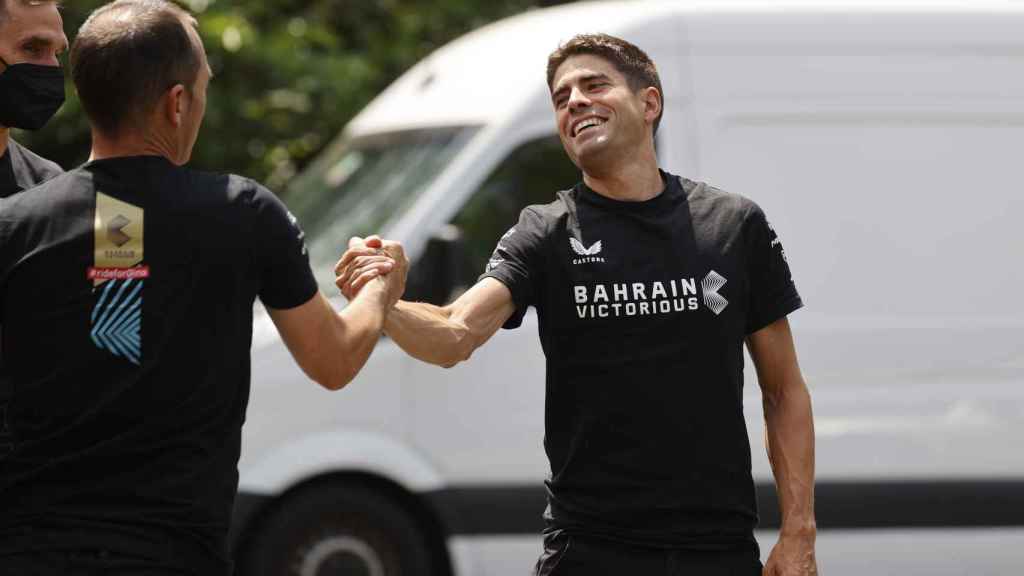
column 643, row 309
column 126, row 294
column 20, row 169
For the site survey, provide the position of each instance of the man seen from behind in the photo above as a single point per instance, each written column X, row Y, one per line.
column 126, row 294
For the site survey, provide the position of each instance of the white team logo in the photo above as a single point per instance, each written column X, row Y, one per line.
column 585, row 255
column 711, row 284
column 582, row 250
column 494, row 263
column 496, row 260
column 776, row 243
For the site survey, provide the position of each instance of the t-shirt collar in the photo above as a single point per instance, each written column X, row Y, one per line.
column 668, row 194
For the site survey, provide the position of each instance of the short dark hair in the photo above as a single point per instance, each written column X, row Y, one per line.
column 127, row 55
column 627, row 58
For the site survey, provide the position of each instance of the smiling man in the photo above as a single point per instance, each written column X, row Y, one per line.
column 647, row 285
column 31, row 86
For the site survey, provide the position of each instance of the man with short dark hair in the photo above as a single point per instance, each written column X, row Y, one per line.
column 31, row 86
column 646, row 286
column 126, row 292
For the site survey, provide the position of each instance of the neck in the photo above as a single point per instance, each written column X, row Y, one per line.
column 632, row 179
column 130, row 144
column 5, row 135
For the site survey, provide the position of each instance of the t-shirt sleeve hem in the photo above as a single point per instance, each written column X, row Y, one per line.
column 298, row 297
column 518, row 299
column 787, row 306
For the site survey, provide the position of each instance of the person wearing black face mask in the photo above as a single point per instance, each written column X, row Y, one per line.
column 31, row 87
column 31, row 91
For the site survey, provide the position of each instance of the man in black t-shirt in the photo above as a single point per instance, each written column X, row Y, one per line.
column 31, row 91
column 31, row 87
column 126, row 292
column 646, row 287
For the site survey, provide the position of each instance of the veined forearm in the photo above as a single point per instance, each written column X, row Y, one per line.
column 428, row 333
column 790, row 437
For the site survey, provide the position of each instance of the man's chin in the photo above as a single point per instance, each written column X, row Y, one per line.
column 594, row 157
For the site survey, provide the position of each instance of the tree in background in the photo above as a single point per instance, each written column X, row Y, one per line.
column 288, row 74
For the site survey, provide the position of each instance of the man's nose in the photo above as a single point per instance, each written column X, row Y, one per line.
column 577, row 99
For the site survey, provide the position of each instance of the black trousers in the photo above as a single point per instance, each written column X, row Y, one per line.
column 81, row 563
column 566, row 555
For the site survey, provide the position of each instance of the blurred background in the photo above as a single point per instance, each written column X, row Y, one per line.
column 289, row 74
column 882, row 138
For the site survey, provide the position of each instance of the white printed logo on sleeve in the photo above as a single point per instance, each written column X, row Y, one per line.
column 776, row 243
column 627, row 299
column 301, row 237
column 496, row 259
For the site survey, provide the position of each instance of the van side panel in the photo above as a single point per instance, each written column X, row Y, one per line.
column 885, row 153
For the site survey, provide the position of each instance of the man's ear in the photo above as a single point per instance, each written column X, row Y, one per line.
column 174, row 105
column 652, row 103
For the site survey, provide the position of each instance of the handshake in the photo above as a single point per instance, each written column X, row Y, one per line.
column 372, row 260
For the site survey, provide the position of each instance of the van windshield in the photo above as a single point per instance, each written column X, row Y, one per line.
column 358, row 186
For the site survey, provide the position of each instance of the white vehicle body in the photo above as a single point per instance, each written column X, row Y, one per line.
column 883, row 140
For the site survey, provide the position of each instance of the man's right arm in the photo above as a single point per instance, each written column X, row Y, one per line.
column 447, row 335
column 331, row 347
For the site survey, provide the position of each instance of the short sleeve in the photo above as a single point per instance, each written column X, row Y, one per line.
column 773, row 294
column 516, row 263
column 286, row 280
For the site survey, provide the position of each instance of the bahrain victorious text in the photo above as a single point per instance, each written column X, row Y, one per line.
column 628, row 299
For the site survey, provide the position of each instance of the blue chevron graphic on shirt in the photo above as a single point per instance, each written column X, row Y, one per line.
column 117, row 319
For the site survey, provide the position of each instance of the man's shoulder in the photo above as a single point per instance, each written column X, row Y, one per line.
column 555, row 211
column 711, row 201
column 39, row 168
column 234, row 186
column 205, row 189
column 241, row 188
column 49, row 195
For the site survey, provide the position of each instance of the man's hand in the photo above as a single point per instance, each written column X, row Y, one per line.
column 792, row 556
column 368, row 259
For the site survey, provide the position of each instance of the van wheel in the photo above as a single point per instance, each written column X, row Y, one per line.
column 336, row 530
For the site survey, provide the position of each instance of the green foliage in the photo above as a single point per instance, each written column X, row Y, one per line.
column 288, row 74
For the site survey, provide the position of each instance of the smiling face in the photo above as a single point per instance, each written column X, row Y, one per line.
column 599, row 117
column 31, row 34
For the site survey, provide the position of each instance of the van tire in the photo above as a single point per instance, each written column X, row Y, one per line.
column 337, row 529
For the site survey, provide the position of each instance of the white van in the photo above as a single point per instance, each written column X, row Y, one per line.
column 884, row 140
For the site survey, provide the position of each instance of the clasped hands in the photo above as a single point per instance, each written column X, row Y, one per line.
column 368, row 259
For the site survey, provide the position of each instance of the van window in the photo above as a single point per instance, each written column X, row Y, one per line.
column 531, row 174
column 358, row 185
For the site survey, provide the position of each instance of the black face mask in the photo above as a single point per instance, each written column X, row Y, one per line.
column 30, row 94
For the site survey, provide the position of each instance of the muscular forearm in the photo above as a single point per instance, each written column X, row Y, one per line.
column 790, row 437
column 429, row 333
column 358, row 328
